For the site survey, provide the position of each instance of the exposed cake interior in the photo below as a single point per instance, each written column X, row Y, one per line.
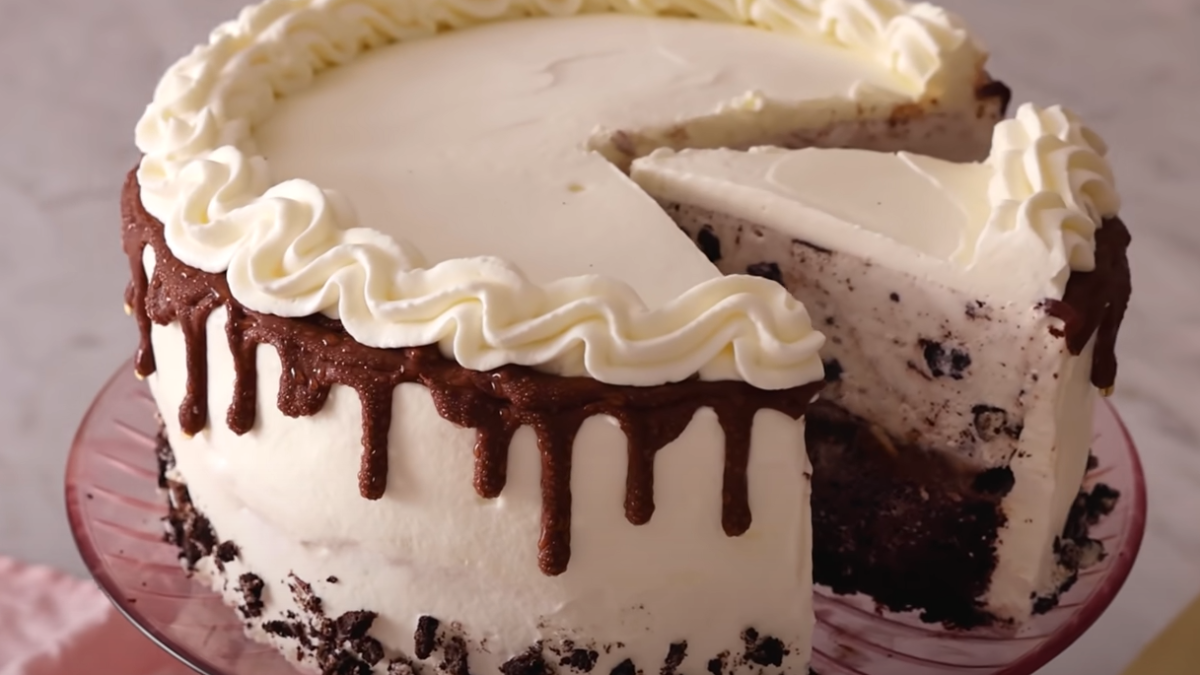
column 953, row 437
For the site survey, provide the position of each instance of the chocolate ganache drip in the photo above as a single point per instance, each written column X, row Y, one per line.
column 317, row 353
column 1094, row 303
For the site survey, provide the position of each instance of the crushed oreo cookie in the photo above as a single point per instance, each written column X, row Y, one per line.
column 186, row 527
column 454, row 656
column 582, row 660
column 998, row 481
column 1076, row 550
column 991, row 422
column 283, row 629
column 227, row 552
column 833, row 370
column 164, row 457
column 251, row 587
column 709, row 243
column 529, row 662
column 763, row 650
column 425, row 637
column 302, row 592
column 1088, row 509
column 766, row 270
column 625, row 667
column 675, row 656
column 978, row 309
column 354, row 625
column 944, row 362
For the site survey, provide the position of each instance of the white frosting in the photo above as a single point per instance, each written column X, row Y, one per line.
column 292, row 248
column 1033, row 205
column 1048, row 471
column 287, row 494
column 1017, row 366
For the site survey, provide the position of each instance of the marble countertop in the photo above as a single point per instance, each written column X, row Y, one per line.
column 75, row 74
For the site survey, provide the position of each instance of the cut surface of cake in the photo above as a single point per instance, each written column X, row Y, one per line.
column 447, row 387
column 971, row 311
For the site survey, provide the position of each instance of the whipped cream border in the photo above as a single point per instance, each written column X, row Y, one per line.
column 293, row 249
column 1049, row 189
column 1051, row 182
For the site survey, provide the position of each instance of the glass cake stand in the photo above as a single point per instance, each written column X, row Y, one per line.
column 116, row 512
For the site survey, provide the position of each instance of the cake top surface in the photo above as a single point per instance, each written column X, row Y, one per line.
column 478, row 146
column 462, row 191
column 1033, row 205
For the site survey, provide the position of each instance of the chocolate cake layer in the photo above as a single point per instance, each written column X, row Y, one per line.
column 914, row 528
column 911, row 527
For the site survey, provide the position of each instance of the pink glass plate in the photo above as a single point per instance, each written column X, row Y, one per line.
column 116, row 514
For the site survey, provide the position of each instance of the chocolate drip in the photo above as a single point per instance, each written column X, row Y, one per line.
column 376, row 398
column 491, row 458
column 243, row 407
column 193, row 410
column 646, row 437
column 555, row 439
column 186, row 299
column 735, row 501
column 301, row 393
column 494, row 426
column 135, row 295
column 316, row 353
column 1095, row 302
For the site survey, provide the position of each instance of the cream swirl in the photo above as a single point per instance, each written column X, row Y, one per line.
column 925, row 44
column 294, row 249
column 1050, row 179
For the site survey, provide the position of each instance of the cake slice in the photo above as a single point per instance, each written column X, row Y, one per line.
column 971, row 311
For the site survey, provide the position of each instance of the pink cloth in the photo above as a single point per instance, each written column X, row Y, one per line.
column 55, row 624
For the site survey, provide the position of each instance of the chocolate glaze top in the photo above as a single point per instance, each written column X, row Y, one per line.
column 317, row 353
